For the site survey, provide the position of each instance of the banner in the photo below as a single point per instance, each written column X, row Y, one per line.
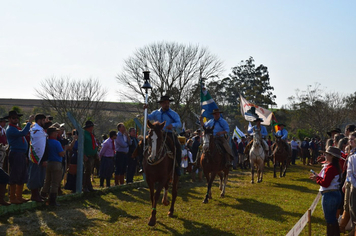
column 207, row 103
column 249, row 111
column 238, row 134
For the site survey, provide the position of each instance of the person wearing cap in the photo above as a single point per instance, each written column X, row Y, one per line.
column 329, row 181
column 221, row 128
column 37, row 166
column 173, row 123
column 90, row 150
column 17, row 156
column 264, row 134
column 3, row 139
column 54, row 166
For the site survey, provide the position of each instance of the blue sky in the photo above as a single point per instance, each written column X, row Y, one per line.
column 301, row 42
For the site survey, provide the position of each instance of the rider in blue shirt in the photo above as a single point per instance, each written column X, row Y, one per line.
column 282, row 132
column 173, row 122
column 221, row 127
column 264, row 134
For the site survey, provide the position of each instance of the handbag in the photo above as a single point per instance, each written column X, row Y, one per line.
column 72, row 169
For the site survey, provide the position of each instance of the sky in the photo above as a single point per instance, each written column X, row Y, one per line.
column 301, row 42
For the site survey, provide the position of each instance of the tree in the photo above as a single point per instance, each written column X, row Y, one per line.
column 174, row 68
column 314, row 109
column 83, row 98
column 252, row 82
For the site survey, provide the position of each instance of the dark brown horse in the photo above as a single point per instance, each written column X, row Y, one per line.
column 280, row 155
column 158, row 164
column 213, row 162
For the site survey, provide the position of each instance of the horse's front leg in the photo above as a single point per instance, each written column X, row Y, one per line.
column 222, row 194
column 252, row 171
column 152, row 220
column 221, row 181
column 285, row 170
column 174, row 194
column 207, row 176
column 274, row 169
column 165, row 193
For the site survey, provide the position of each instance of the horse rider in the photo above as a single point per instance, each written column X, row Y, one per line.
column 264, row 134
column 221, row 129
column 283, row 133
column 172, row 119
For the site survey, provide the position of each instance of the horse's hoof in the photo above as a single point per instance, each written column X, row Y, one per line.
column 152, row 221
column 170, row 213
column 166, row 203
column 252, row 182
column 222, row 195
column 206, row 200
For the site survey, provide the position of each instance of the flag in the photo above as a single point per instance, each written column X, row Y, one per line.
column 238, row 134
column 250, row 127
column 275, row 125
column 207, row 103
column 249, row 111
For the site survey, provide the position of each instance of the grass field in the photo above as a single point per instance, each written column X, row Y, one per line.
column 268, row 208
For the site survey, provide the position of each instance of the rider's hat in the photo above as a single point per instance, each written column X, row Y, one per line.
column 258, row 119
column 335, row 130
column 165, row 98
column 216, row 111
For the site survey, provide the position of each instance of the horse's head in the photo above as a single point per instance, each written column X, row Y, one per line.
column 155, row 137
column 208, row 134
column 256, row 136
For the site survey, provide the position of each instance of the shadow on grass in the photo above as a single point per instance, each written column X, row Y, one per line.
column 193, row 228
column 260, row 209
column 295, row 187
column 47, row 219
column 109, row 209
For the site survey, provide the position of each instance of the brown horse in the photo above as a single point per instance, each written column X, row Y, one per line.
column 280, row 155
column 158, row 164
column 213, row 162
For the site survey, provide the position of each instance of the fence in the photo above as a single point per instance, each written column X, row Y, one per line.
column 306, row 218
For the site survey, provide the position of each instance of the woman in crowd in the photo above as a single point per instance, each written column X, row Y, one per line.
column 329, row 181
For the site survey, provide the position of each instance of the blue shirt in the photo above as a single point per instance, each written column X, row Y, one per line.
column 263, row 131
column 169, row 116
column 122, row 143
column 283, row 133
column 219, row 125
column 16, row 138
column 54, row 148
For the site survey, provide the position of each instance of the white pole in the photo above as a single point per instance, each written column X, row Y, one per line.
column 145, row 123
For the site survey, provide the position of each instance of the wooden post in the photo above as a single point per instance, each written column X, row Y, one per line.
column 309, row 222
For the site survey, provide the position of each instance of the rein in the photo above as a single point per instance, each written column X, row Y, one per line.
column 159, row 153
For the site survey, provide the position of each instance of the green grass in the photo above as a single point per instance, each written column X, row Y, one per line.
column 268, row 208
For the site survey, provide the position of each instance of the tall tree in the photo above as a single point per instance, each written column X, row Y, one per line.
column 83, row 98
column 174, row 69
column 252, row 82
column 317, row 110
